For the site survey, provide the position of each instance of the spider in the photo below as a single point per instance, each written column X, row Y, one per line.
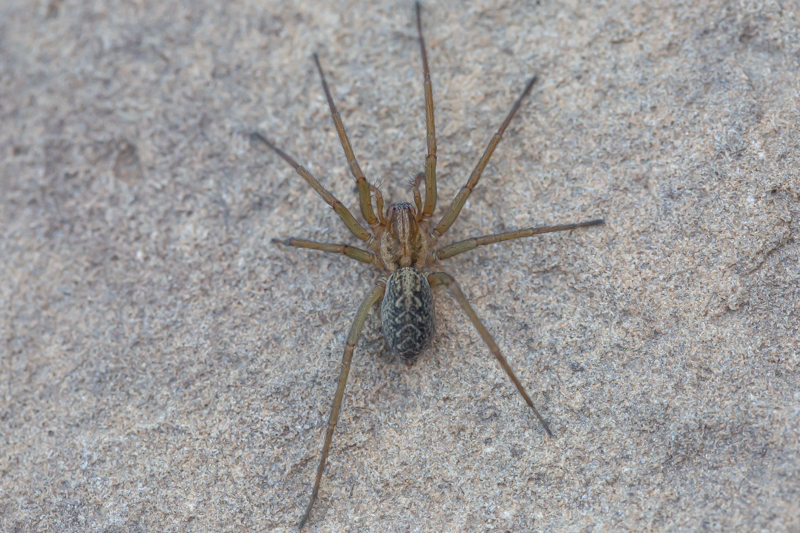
column 403, row 242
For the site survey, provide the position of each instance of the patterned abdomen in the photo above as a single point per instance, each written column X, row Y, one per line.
column 407, row 312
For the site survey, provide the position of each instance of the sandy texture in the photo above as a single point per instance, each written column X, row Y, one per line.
column 165, row 367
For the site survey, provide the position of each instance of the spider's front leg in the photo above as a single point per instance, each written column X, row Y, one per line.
column 461, row 198
column 430, row 161
column 443, row 278
column 364, row 188
column 352, row 339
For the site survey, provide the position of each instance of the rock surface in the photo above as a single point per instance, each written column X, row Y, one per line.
column 165, row 367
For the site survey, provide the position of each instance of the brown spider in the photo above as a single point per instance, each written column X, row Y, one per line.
column 403, row 243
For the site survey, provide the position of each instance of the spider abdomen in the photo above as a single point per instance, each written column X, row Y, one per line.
column 407, row 312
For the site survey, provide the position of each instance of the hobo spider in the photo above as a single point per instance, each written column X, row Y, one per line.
column 403, row 242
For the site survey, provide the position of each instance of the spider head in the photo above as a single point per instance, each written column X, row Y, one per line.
column 403, row 244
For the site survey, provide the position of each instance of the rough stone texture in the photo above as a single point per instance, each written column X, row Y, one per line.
column 164, row 367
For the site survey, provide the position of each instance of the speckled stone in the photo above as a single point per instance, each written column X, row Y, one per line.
column 164, row 367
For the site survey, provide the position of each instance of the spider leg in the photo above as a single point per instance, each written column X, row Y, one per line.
column 470, row 244
column 352, row 338
column 364, row 198
column 443, row 278
column 458, row 202
column 350, row 251
column 430, row 160
column 345, row 214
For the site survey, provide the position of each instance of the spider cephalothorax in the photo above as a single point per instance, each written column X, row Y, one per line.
column 407, row 317
column 401, row 242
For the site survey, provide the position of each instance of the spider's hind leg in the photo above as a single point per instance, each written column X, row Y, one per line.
column 443, row 278
column 352, row 339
